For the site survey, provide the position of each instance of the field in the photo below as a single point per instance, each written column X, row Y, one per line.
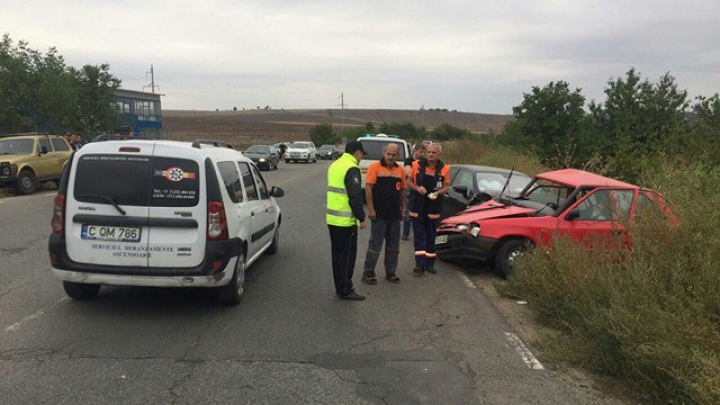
column 244, row 128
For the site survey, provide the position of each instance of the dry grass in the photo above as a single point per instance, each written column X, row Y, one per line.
column 651, row 316
column 244, row 128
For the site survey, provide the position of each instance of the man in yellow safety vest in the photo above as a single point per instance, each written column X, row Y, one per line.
column 344, row 214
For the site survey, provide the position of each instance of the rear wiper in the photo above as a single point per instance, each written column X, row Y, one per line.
column 106, row 198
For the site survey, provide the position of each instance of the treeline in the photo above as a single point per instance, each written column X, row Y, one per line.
column 624, row 136
column 322, row 134
column 40, row 93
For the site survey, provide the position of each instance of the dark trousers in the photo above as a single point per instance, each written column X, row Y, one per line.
column 343, row 245
column 424, row 230
column 387, row 230
column 407, row 221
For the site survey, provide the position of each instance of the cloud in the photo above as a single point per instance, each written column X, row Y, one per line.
column 465, row 55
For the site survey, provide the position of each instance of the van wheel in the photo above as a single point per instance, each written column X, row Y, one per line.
column 275, row 242
column 26, row 182
column 508, row 252
column 231, row 294
column 81, row 292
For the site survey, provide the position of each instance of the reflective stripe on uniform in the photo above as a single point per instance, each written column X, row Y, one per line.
column 337, row 190
column 339, row 213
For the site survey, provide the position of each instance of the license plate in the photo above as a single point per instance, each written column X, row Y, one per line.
column 112, row 233
column 440, row 239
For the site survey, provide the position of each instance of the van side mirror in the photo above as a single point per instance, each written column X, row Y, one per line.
column 277, row 192
column 574, row 214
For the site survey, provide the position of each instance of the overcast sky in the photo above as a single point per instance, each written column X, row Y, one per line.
column 478, row 56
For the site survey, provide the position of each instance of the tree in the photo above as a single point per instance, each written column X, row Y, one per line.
column 549, row 120
column 323, row 134
column 96, row 89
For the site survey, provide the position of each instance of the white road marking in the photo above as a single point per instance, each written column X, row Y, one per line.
column 38, row 314
column 525, row 353
column 467, row 281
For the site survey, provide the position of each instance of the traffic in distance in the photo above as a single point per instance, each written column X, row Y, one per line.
column 213, row 204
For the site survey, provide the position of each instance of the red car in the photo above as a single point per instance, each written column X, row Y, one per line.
column 585, row 206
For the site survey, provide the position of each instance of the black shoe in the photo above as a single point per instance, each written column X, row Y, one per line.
column 431, row 270
column 405, row 237
column 418, row 270
column 353, row 296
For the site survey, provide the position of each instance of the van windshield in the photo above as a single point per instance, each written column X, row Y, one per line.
column 137, row 181
column 374, row 149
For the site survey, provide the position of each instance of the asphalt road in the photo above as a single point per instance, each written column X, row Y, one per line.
column 434, row 339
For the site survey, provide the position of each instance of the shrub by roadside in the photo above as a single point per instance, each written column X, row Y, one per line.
column 479, row 153
column 651, row 316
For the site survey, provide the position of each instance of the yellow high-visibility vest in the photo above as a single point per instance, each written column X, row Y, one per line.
column 339, row 212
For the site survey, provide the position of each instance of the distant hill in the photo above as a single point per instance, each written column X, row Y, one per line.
column 243, row 128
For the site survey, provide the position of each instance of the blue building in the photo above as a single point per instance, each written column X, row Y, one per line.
column 141, row 113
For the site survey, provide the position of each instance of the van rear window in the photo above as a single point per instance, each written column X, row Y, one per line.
column 375, row 149
column 137, row 180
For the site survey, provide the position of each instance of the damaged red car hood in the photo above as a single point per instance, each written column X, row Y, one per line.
column 489, row 210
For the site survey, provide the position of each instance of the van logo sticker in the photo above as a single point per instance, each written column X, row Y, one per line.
column 174, row 174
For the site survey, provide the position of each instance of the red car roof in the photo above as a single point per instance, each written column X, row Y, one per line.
column 577, row 178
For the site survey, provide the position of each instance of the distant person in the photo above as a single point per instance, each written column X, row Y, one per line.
column 344, row 214
column 429, row 179
column 418, row 154
column 77, row 141
column 385, row 196
column 283, row 148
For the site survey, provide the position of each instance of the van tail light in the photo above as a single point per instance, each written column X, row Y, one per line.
column 217, row 222
column 57, row 222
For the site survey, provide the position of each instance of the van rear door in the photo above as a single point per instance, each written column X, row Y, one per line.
column 107, row 206
column 177, row 214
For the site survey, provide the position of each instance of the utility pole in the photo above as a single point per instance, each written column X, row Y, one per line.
column 468, row 121
column 152, row 80
column 342, row 114
column 422, row 114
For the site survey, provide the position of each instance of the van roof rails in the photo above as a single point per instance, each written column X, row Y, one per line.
column 220, row 144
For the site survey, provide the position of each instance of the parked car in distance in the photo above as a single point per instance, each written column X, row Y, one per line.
column 472, row 185
column 161, row 214
column 304, row 151
column 327, row 152
column 587, row 207
column 340, row 149
column 29, row 159
column 264, row 156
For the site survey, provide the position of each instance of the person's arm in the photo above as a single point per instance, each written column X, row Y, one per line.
column 369, row 199
column 355, row 193
column 446, row 181
column 411, row 183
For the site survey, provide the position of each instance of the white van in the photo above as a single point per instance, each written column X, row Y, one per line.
column 374, row 146
column 161, row 213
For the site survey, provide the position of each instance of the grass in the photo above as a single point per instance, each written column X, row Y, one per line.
column 649, row 317
column 470, row 152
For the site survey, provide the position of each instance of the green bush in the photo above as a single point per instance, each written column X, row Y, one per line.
column 650, row 316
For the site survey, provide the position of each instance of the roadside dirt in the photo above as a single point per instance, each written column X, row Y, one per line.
column 590, row 389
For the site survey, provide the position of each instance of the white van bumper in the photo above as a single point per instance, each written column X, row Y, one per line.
column 218, row 280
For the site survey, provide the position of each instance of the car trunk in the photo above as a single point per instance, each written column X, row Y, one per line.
column 160, row 201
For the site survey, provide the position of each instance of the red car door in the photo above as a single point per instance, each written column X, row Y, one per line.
column 598, row 218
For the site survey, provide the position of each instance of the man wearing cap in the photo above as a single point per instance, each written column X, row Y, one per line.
column 344, row 213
